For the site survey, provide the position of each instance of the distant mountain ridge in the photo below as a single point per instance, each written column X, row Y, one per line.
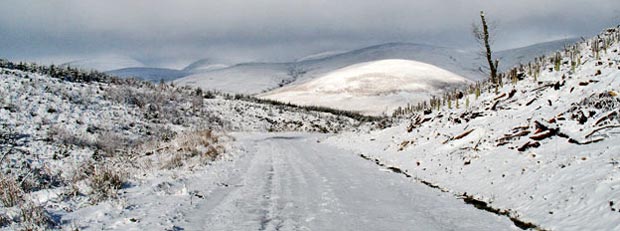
column 149, row 73
column 253, row 78
column 105, row 63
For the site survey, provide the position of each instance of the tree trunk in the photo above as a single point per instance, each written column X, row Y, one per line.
column 492, row 65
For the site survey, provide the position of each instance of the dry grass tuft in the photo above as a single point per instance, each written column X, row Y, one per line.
column 61, row 135
column 109, row 143
column 4, row 220
column 10, row 192
column 194, row 148
column 105, row 181
column 34, row 217
column 176, row 161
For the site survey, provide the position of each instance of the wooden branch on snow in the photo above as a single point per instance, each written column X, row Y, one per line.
column 464, row 134
column 494, row 107
column 599, row 129
column 512, row 93
column 528, row 145
column 531, row 101
column 544, row 135
column 542, row 87
column 500, row 96
column 605, row 117
column 504, row 140
column 519, row 128
column 574, row 141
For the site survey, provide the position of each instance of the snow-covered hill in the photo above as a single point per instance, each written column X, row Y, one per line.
column 105, row 63
column 149, row 73
column 523, row 55
column 319, row 55
column 254, row 78
column 371, row 88
column 542, row 150
column 251, row 78
column 203, row 65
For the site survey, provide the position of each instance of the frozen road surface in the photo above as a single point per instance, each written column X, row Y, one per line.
column 293, row 182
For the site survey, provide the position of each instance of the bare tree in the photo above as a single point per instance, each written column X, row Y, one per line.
column 483, row 37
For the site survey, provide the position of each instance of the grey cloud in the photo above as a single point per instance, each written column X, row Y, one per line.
column 160, row 31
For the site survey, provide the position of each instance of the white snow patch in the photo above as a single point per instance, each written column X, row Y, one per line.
column 372, row 88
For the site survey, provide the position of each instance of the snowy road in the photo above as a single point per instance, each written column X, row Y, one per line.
column 292, row 182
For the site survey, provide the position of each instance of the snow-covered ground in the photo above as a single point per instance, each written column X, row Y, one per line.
column 545, row 151
column 66, row 146
column 285, row 181
column 133, row 155
column 372, row 88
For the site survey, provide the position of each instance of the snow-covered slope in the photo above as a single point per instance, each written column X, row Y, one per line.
column 523, row 55
column 204, row 65
column 248, row 78
column 458, row 61
column 259, row 77
column 371, row 88
column 320, row 55
column 149, row 73
column 543, row 150
column 105, row 63
column 72, row 141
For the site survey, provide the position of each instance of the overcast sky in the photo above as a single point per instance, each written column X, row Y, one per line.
column 174, row 32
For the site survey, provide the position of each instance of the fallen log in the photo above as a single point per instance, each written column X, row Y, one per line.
column 605, row 117
column 500, row 96
column 464, row 134
column 544, row 135
column 601, row 128
column 508, row 137
column 494, row 107
column 574, row 141
column 528, row 145
column 512, row 93
column 530, row 102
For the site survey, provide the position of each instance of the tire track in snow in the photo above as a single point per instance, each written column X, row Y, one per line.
column 293, row 183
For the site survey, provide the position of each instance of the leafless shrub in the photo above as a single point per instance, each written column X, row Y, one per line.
column 197, row 102
column 110, row 142
column 4, row 220
column 176, row 161
column 39, row 178
column 133, row 96
column 34, row 217
column 165, row 134
column 58, row 134
column 203, row 143
column 10, row 192
column 105, row 181
column 201, row 146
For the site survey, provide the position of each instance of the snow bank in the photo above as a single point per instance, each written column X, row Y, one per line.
column 544, row 150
